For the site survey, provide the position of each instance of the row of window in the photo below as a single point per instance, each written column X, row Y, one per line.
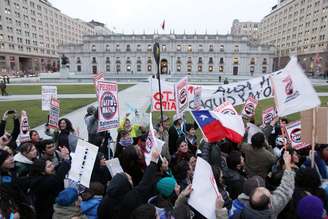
column 179, row 48
column 235, row 60
column 178, row 69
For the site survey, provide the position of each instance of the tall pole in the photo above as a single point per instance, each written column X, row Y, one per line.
column 157, row 55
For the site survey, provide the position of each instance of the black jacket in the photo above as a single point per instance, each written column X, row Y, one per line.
column 173, row 137
column 234, row 182
column 121, row 199
column 44, row 190
column 14, row 134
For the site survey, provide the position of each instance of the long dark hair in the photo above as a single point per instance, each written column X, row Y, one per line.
column 38, row 167
column 69, row 126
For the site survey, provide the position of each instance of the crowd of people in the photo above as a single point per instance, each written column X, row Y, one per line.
column 265, row 178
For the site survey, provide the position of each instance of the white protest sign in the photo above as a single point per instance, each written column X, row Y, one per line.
column 205, row 191
column 198, row 98
column 83, row 161
column 114, row 166
column 152, row 142
column 181, row 95
column 293, row 91
column 24, row 135
column 268, row 115
column 294, row 130
column 47, row 93
column 249, row 107
column 54, row 113
column 226, row 108
column 213, row 96
column 108, row 106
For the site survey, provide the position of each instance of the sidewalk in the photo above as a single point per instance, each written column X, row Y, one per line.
column 136, row 96
column 38, row 97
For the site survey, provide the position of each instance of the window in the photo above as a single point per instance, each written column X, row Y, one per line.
column 94, row 69
column 107, row 60
column 221, row 68
column 149, row 48
column 264, row 61
column 149, row 68
column 128, row 48
column 200, row 48
column 200, row 61
column 221, row 60
column 128, row 61
column 94, row 60
column 78, row 60
column 138, row 48
column 221, row 48
column 107, row 48
column 189, row 48
column 164, row 48
column 78, row 68
column 210, row 68
column 138, row 68
column 189, row 68
column 211, row 48
column 179, row 68
column 235, row 61
column 178, row 48
column 236, row 48
column 93, row 48
column 210, row 60
column 252, row 61
column 178, row 60
column 264, row 69
column 117, row 47
column 149, row 60
column 128, row 68
column 251, row 70
column 118, row 68
column 200, row 68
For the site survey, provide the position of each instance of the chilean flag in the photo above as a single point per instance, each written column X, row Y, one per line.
column 216, row 126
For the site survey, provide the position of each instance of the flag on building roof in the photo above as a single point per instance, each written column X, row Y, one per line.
column 163, row 25
column 293, row 91
column 216, row 126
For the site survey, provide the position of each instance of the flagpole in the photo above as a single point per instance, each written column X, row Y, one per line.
column 156, row 51
column 314, row 112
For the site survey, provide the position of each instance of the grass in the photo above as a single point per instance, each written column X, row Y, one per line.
column 13, row 89
column 321, row 89
column 263, row 104
column 33, row 108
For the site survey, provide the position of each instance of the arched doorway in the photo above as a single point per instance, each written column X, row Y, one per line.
column 164, row 68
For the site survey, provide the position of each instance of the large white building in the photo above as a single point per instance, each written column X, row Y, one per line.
column 298, row 27
column 245, row 28
column 32, row 30
column 180, row 54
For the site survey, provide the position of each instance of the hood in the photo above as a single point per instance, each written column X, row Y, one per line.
column 118, row 186
column 66, row 211
column 243, row 198
column 22, row 159
column 90, row 204
column 249, row 213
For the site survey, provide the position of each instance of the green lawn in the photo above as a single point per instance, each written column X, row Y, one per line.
column 13, row 89
column 33, row 108
column 321, row 89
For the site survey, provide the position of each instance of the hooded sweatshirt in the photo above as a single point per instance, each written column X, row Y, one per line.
column 90, row 207
column 22, row 165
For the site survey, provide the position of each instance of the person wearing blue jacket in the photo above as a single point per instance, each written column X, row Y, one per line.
column 91, row 200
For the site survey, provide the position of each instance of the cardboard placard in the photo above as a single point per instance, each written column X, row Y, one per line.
column 249, row 107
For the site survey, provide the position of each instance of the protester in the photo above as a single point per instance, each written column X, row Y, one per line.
column 132, row 129
column 24, row 159
column 91, row 200
column 65, row 135
column 320, row 159
column 46, row 183
column 100, row 172
column 182, row 153
column 163, row 134
column 175, row 132
column 35, row 138
column 67, row 205
column 191, row 138
column 7, row 139
column 122, row 142
column 48, row 152
column 258, row 159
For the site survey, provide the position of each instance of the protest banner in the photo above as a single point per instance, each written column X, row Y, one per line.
column 226, row 108
column 152, row 142
column 83, row 161
column 197, row 98
column 54, row 113
column 293, row 131
column 213, row 96
column 47, row 93
column 181, row 95
column 98, row 77
column 24, row 134
column 249, row 107
column 205, row 191
column 268, row 115
column 114, row 166
column 108, row 106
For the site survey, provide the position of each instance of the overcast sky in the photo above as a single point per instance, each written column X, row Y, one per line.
column 181, row 15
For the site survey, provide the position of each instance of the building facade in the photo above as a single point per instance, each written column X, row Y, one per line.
column 180, row 54
column 248, row 28
column 30, row 33
column 298, row 27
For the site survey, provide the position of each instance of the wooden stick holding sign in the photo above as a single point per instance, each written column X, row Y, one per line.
column 314, row 113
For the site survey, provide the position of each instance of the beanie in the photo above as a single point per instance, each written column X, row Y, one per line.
column 67, row 197
column 252, row 183
column 91, row 109
column 3, row 156
column 310, row 207
column 166, row 186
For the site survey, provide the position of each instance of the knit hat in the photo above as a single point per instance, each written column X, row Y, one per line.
column 67, row 197
column 252, row 183
column 3, row 156
column 91, row 109
column 166, row 186
column 310, row 207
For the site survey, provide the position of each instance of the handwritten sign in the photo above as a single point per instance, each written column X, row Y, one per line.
column 181, row 95
column 54, row 113
column 47, row 93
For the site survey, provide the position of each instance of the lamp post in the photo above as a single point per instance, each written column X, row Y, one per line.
column 157, row 55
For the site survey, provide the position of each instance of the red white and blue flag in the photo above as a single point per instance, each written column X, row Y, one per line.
column 217, row 126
